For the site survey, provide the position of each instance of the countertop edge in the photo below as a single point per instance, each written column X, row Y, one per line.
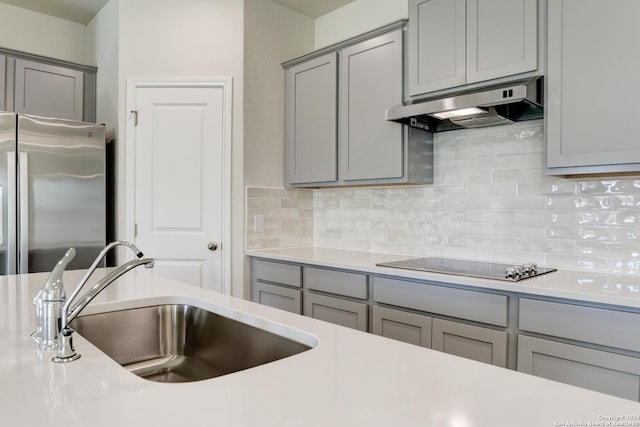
column 583, row 286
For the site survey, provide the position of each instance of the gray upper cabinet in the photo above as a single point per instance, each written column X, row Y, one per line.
column 459, row 42
column 310, row 117
column 48, row 90
column 590, row 120
column 47, row 87
column 370, row 82
column 3, row 79
column 437, row 51
column 335, row 131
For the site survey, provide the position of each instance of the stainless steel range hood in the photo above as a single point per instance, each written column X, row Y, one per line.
column 487, row 107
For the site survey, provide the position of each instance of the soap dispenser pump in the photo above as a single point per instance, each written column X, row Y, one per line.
column 49, row 302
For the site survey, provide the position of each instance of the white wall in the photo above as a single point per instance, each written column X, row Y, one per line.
column 273, row 34
column 39, row 34
column 102, row 49
column 357, row 18
column 165, row 38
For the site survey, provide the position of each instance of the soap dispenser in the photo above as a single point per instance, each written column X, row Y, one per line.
column 49, row 302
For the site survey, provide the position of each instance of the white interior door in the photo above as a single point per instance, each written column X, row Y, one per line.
column 182, row 133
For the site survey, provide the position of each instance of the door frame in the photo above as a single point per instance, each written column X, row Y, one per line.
column 224, row 83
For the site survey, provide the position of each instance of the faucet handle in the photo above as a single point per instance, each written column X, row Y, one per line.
column 53, row 289
column 49, row 302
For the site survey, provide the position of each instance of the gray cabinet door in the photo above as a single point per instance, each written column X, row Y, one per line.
column 473, row 342
column 277, row 297
column 338, row 311
column 437, row 51
column 502, row 38
column 597, row 370
column 3, row 83
column 370, row 82
column 591, row 120
column 310, row 122
column 48, row 90
column 402, row 326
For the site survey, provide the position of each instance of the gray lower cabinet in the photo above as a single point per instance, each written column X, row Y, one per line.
column 334, row 308
column 470, row 341
column 278, row 297
column 591, row 347
column 402, row 326
column 587, row 345
column 461, row 339
column 476, row 306
column 277, row 285
column 602, row 371
column 339, row 311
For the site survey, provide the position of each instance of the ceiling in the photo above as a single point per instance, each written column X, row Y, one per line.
column 314, row 8
column 82, row 11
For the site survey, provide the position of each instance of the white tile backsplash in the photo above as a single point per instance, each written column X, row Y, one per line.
column 490, row 200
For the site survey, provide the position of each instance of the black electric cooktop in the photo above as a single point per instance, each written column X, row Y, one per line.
column 485, row 270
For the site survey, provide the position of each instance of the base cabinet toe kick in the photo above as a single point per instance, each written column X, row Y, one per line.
column 588, row 345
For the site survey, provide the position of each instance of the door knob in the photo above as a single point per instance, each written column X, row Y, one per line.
column 212, row 246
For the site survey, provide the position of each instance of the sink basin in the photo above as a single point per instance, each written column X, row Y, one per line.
column 180, row 343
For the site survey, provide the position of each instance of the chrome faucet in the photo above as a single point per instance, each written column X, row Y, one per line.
column 65, row 349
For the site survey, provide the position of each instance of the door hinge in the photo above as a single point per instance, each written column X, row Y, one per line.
column 135, row 117
column 135, row 230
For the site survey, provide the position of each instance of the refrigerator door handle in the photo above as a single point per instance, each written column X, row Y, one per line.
column 24, row 213
column 12, row 214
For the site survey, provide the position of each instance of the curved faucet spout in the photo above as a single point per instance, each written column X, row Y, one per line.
column 66, row 352
column 69, row 314
column 97, row 261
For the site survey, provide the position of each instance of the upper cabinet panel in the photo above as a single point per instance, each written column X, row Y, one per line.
column 3, row 79
column 593, row 60
column 501, row 38
column 436, row 45
column 453, row 43
column 48, row 90
column 370, row 81
column 310, row 117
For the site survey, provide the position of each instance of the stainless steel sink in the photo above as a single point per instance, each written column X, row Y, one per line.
column 180, row 343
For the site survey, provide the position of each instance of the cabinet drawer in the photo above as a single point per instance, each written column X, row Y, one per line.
column 597, row 370
column 464, row 304
column 277, row 297
column 286, row 274
column 336, row 282
column 351, row 314
column 593, row 325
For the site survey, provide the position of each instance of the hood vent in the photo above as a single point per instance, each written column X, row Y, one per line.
column 489, row 107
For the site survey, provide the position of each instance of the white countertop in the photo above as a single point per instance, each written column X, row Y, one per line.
column 577, row 285
column 349, row 379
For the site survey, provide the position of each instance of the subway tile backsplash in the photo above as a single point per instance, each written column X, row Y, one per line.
column 490, row 201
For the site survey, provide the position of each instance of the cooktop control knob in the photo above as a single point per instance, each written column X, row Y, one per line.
column 509, row 273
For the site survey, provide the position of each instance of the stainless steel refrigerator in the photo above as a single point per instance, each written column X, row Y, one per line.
column 52, row 191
